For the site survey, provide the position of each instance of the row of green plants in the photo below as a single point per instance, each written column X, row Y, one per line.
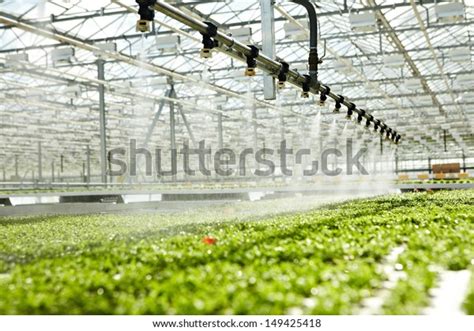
column 442, row 239
column 469, row 303
column 320, row 262
column 437, row 181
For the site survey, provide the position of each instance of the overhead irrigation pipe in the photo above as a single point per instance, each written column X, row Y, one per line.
column 214, row 39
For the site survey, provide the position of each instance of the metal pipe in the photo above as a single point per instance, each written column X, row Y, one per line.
column 396, row 165
column 102, row 121
column 381, row 145
column 240, row 51
column 16, row 167
column 40, row 162
column 173, row 137
column 313, row 37
column 313, row 21
column 268, row 45
column 88, row 164
column 109, row 162
column 445, row 140
column 254, row 133
column 219, row 131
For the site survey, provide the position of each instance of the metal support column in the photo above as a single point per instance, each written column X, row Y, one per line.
column 464, row 167
column 4, row 174
column 173, row 136
column 88, row 165
column 52, row 171
column 396, row 164
column 40, row 162
column 268, row 45
column 381, row 145
column 16, row 168
column 102, row 121
column 109, row 163
column 220, row 133
column 445, row 134
column 254, row 132
column 429, row 166
column 282, row 128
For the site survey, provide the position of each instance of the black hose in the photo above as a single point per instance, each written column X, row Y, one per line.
column 313, row 21
column 313, row 37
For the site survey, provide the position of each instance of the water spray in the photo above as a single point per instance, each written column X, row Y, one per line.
column 213, row 39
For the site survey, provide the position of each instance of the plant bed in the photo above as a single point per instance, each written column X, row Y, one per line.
column 319, row 262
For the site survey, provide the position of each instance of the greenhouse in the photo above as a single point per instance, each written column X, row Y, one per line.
column 217, row 157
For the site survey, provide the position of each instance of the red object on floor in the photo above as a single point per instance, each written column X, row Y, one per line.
column 209, row 240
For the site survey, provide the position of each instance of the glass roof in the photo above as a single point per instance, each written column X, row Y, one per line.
column 58, row 102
